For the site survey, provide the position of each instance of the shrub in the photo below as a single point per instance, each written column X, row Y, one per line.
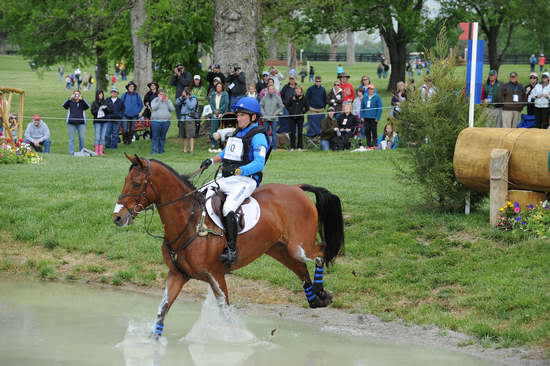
column 430, row 126
column 22, row 153
column 531, row 220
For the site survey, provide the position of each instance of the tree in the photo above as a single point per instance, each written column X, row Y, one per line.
column 335, row 39
column 235, row 30
column 55, row 31
column 143, row 64
column 350, row 47
column 495, row 18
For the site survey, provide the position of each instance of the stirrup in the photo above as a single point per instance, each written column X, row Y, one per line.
column 229, row 256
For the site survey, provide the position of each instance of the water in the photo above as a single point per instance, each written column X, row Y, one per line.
column 66, row 324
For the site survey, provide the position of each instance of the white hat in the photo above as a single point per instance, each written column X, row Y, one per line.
column 546, row 74
column 196, row 77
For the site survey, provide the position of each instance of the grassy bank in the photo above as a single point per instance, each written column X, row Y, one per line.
column 401, row 261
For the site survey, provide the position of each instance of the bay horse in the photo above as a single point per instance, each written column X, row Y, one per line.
column 287, row 231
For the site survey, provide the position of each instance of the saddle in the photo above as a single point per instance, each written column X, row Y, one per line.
column 248, row 213
column 218, row 199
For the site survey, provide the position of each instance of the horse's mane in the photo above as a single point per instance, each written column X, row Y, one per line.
column 183, row 178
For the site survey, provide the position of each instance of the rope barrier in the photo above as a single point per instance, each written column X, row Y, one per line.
column 264, row 117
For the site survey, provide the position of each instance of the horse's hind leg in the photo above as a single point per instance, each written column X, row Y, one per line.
column 316, row 299
column 174, row 283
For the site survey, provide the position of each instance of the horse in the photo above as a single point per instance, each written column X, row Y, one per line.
column 287, row 231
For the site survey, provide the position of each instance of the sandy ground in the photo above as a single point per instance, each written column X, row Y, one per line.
column 260, row 299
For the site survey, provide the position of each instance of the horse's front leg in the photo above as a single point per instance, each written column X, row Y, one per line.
column 174, row 283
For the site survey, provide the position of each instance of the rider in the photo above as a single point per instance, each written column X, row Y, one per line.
column 243, row 160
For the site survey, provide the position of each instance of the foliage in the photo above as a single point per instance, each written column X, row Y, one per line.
column 533, row 220
column 179, row 31
column 431, row 126
column 22, row 153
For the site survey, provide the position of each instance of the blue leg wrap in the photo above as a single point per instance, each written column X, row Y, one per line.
column 318, row 279
column 159, row 327
column 310, row 295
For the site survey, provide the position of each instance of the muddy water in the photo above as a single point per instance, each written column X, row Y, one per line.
column 65, row 324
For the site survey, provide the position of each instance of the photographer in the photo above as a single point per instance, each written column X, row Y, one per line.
column 186, row 105
column 236, row 85
column 76, row 119
column 181, row 79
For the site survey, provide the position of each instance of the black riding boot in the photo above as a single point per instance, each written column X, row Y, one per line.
column 229, row 255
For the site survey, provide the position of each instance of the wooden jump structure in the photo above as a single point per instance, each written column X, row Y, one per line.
column 6, row 95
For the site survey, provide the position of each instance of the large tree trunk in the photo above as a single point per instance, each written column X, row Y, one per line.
column 272, row 45
column 397, row 48
column 335, row 40
column 235, row 29
column 492, row 40
column 143, row 64
column 292, row 57
column 3, row 43
column 102, row 69
column 350, row 49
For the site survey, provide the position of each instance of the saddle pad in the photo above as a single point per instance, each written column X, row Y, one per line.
column 251, row 211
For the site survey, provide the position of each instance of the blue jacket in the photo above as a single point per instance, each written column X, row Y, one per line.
column 132, row 104
column 186, row 106
column 258, row 152
column 372, row 109
column 316, row 97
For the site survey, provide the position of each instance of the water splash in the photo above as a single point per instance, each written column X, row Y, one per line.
column 139, row 348
column 218, row 323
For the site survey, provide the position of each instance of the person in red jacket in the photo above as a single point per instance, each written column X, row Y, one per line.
column 348, row 94
column 542, row 62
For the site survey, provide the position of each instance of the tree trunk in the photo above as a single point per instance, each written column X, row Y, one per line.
column 350, row 49
column 492, row 40
column 235, row 29
column 3, row 43
column 102, row 69
column 143, row 64
column 397, row 48
column 335, row 40
column 272, row 46
column 292, row 57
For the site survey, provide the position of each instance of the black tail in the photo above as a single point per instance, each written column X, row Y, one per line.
column 331, row 222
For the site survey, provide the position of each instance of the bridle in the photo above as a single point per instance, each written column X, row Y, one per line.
column 197, row 199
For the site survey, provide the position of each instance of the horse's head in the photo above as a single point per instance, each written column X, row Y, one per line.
column 137, row 193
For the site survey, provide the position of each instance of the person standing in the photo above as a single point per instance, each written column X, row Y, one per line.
column 187, row 105
column 371, row 111
column 542, row 62
column 201, row 93
column 219, row 103
column 399, row 96
column 533, row 80
column 132, row 108
column 100, row 111
column 311, row 73
column 236, row 85
column 116, row 113
column 316, row 96
column 541, row 93
column 180, row 79
column 532, row 62
column 271, row 107
column 348, row 93
column 491, row 96
column 37, row 135
column 215, row 72
column 61, row 72
column 76, row 119
column 303, row 75
column 334, row 98
column 339, row 70
column 148, row 98
column 77, row 75
column 513, row 97
column 161, row 114
column 297, row 108
column 277, row 77
column 262, row 83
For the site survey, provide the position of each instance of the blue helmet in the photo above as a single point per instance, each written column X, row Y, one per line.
column 247, row 104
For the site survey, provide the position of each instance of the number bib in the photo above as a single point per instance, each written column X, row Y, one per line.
column 233, row 149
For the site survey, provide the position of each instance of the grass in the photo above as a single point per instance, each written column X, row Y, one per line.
column 402, row 261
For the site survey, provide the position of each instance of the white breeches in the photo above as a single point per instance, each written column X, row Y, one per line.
column 237, row 188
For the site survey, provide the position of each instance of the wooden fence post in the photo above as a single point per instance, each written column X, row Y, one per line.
column 499, row 182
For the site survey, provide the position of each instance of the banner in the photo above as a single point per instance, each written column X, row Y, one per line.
column 478, row 59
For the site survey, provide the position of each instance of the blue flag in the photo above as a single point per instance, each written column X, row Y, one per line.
column 479, row 70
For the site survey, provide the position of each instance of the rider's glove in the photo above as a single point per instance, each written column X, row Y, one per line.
column 205, row 164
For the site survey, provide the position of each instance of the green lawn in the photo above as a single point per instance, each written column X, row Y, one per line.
column 401, row 261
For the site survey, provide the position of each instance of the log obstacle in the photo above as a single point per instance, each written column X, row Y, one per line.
column 513, row 164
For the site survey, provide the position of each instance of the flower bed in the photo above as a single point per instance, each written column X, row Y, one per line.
column 534, row 220
column 21, row 154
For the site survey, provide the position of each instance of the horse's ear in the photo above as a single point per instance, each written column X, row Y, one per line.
column 129, row 158
column 139, row 161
